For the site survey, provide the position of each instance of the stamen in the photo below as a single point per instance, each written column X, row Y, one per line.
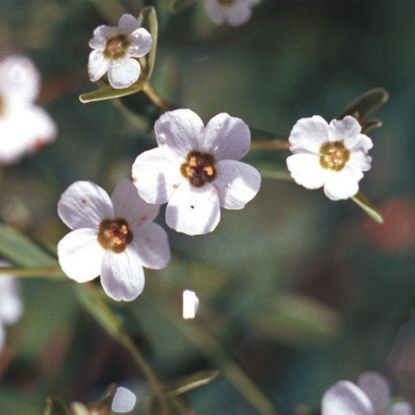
column 116, row 47
column 199, row 168
column 114, row 234
column 334, row 155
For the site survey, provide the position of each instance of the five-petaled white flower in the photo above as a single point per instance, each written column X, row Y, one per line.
column 24, row 127
column 331, row 155
column 196, row 169
column 233, row 12
column 11, row 306
column 371, row 396
column 115, row 49
column 112, row 237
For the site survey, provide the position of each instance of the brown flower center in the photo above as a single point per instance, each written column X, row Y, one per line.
column 226, row 2
column 116, row 47
column 114, row 234
column 199, row 168
column 333, row 155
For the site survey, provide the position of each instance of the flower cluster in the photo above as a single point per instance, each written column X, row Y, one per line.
column 24, row 127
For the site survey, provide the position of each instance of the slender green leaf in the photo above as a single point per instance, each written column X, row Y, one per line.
column 179, row 5
column 193, row 381
column 21, row 250
column 361, row 200
column 149, row 19
column 365, row 103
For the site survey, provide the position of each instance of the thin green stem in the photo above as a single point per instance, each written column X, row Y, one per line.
column 156, row 98
column 275, row 144
column 35, row 272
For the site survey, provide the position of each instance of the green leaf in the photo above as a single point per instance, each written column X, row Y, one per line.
column 294, row 318
column 21, row 250
column 55, row 407
column 179, row 5
column 149, row 19
column 193, row 381
column 361, row 200
column 366, row 103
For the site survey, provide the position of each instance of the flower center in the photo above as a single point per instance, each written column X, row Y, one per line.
column 199, row 168
column 333, row 155
column 116, row 47
column 114, row 234
column 226, row 2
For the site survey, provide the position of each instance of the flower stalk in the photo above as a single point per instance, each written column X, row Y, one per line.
column 156, row 98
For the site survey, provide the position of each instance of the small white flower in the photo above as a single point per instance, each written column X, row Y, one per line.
column 196, row 169
column 371, row 396
column 112, row 237
column 24, row 127
column 11, row 306
column 331, row 155
column 124, row 400
column 115, row 50
column 233, row 12
column 190, row 304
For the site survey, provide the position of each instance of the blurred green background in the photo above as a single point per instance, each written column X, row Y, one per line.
column 298, row 291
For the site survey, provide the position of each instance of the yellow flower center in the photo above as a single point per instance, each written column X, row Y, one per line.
column 333, row 155
column 199, row 168
column 116, row 47
column 114, row 234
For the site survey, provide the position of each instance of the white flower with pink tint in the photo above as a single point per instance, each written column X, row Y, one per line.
column 233, row 12
column 112, row 237
column 24, row 127
column 115, row 51
column 11, row 306
column 333, row 156
column 371, row 396
column 196, row 169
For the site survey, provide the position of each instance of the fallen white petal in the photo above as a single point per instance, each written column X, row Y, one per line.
column 190, row 304
column 124, row 400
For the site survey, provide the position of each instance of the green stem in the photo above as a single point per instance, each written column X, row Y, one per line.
column 271, row 145
column 156, row 98
column 35, row 272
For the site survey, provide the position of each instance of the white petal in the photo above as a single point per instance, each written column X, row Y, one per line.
column 193, row 210
column 156, row 174
column 129, row 205
column 376, row 387
column 179, row 131
column 306, row 170
column 140, row 41
column 19, row 79
column 345, row 398
column 152, row 246
column 238, row 14
column 98, row 65
column 226, row 137
column 237, row 183
column 122, row 275
column 359, row 142
column 190, row 304
column 80, row 255
column 11, row 306
column 124, row 400
column 215, row 11
column 123, row 72
column 84, row 205
column 98, row 43
column 128, row 23
column 401, row 408
column 342, row 184
column 106, row 32
column 309, row 134
column 359, row 160
column 348, row 127
column 2, row 336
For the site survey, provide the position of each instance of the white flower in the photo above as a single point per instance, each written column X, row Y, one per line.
column 115, row 49
column 196, row 169
column 190, row 304
column 11, row 306
column 234, row 12
column 24, row 127
column 371, row 396
column 124, row 400
column 331, row 155
column 112, row 237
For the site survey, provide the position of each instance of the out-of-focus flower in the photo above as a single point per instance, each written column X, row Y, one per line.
column 124, row 400
column 115, row 50
column 371, row 396
column 333, row 156
column 196, row 169
column 233, row 12
column 190, row 304
column 11, row 306
column 112, row 237
column 24, row 127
